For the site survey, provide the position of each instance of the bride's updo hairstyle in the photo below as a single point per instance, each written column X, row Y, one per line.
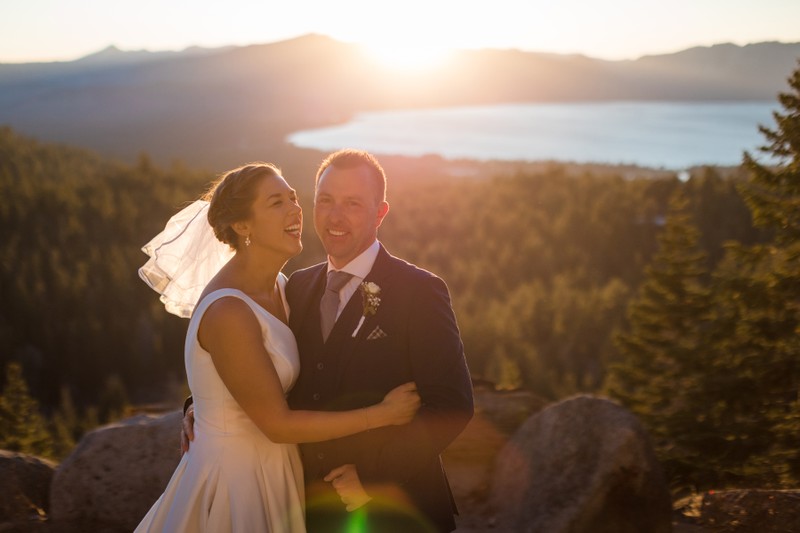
column 231, row 198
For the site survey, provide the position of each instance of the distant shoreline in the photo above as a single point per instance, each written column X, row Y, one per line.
column 665, row 136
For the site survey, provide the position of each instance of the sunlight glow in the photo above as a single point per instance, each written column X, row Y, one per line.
column 404, row 57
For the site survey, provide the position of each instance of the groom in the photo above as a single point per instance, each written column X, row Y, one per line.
column 392, row 323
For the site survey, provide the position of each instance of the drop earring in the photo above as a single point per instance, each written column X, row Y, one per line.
column 247, row 241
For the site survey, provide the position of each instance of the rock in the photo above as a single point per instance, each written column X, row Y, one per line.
column 116, row 473
column 469, row 459
column 24, row 486
column 744, row 510
column 507, row 410
column 582, row 465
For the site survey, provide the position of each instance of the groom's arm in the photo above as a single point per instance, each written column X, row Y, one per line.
column 439, row 368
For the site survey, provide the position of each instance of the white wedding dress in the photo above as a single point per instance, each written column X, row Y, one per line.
column 233, row 479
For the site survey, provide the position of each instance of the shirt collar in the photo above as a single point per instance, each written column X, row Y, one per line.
column 362, row 264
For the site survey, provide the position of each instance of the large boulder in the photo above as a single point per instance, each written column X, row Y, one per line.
column 24, row 487
column 582, row 465
column 115, row 474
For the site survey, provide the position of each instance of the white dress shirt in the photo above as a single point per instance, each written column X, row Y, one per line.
column 359, row 268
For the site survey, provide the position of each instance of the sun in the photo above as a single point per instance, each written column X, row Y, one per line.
column 405, row 57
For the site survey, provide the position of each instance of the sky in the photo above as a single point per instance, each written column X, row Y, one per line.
column 403, row 31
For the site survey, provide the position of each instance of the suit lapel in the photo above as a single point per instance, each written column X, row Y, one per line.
column 309, row 295
column 380, row 275
column 351, row 314
column 347, row 320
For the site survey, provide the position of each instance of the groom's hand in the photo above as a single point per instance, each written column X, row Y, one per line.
column 187, row 429
column 346, row 482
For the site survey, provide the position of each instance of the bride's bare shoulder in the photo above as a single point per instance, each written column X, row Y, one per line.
column 219, row 282
column 227, row 319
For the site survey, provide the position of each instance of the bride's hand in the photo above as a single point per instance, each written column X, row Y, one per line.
column 400, row 404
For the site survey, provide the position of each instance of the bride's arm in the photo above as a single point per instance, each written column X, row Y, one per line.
column 230, row 332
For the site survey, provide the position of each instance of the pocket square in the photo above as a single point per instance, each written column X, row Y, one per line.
column 376, row 333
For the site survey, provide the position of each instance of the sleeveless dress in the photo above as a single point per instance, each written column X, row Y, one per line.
column 233, row 479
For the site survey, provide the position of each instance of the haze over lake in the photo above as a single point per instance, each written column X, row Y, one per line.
column 670, row 135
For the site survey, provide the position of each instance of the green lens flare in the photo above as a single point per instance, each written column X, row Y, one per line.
column 357, row 522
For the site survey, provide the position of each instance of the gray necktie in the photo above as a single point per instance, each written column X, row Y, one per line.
column 330, row 301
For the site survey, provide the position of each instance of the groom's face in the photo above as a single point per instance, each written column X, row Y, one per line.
column 347, row 212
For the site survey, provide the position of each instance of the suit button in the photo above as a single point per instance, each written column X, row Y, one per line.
column 316, row 396
column 320, row 456
column 320, row 366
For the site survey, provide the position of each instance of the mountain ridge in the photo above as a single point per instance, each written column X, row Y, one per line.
column 113, row 50
column 224, row 105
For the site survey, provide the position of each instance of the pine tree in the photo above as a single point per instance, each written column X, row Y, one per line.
column 22, row 427
column 773, row 193
column 757, row 369
column 761, row 288
column 664, row 348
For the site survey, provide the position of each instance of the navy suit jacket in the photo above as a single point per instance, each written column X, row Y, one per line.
column 413, row 336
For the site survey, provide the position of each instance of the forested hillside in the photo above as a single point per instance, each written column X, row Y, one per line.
column 74, row 312
column 540, row 265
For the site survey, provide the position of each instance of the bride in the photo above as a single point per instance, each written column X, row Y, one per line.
column 243, row 471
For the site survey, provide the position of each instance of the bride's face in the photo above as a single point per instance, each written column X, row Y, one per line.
column 276, row 220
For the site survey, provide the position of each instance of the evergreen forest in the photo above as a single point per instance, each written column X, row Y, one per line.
column 679, row 298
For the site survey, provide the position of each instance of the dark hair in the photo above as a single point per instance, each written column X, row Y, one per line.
column 351, row 158
column 231, row 198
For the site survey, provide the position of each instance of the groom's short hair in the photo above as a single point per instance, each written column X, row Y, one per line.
column 352, row 158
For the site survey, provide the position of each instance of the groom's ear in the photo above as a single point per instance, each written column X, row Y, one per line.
column 383, row 208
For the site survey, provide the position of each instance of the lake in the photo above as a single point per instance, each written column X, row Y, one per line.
column 669, row 135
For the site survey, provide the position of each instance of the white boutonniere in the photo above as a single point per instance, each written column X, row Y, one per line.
column 370, row 297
